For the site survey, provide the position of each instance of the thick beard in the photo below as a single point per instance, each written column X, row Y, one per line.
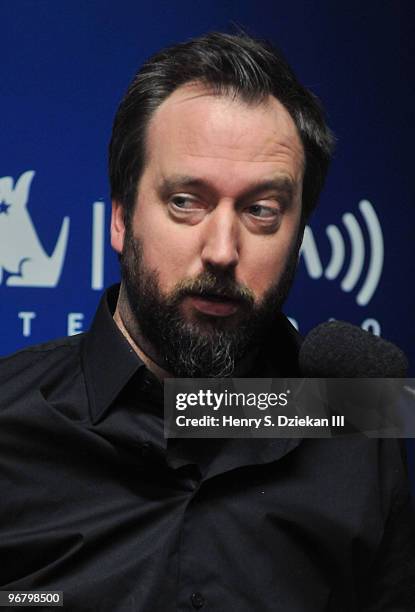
column 206, row 347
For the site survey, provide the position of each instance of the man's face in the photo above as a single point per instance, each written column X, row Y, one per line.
column 214, row 235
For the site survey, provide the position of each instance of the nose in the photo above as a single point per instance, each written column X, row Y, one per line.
column 221, row 238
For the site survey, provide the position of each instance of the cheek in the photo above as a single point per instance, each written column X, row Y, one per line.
column 169, row 252
column 260, row 273
column 266, row 264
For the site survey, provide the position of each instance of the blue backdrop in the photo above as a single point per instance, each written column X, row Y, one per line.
column 64, row 68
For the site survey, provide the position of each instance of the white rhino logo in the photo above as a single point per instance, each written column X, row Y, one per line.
column 22, row 255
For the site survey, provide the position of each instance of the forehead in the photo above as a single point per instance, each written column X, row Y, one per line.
column 194, row 125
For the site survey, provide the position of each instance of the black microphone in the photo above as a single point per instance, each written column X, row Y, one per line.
column 341, row 350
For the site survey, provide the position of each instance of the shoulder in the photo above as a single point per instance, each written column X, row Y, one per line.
column 41, row 353
column 37, row 365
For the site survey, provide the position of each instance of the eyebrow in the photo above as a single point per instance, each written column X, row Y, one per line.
column 281, row 184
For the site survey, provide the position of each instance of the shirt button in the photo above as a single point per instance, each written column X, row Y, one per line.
column 197, row 600
column 144, row 384
column 146, row 449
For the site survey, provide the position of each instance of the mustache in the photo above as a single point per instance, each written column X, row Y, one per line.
column 210, row 284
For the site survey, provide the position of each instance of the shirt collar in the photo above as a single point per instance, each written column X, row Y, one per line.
column 109, row 360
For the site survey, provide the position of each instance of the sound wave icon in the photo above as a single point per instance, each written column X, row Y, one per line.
column 354, row 271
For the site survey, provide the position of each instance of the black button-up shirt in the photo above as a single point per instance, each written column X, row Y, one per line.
column 97, row 504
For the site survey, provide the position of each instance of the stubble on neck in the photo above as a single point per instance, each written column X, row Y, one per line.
column 128, row 326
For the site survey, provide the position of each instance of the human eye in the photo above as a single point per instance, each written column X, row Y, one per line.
column 265, row 212
column 184, row 202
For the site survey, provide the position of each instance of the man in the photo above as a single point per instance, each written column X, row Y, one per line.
column 217, row 158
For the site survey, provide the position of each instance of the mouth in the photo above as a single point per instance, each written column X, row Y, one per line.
column 215, row 305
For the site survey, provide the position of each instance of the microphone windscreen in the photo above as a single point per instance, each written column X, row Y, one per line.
column 341, row 350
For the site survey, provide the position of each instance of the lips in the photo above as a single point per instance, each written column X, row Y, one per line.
column 215, row 305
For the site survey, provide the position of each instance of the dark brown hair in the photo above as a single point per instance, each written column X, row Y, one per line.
column 236, row 65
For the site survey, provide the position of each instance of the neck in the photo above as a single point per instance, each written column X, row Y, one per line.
column 125, row 322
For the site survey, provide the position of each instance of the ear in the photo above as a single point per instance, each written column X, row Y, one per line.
column 117, row 226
